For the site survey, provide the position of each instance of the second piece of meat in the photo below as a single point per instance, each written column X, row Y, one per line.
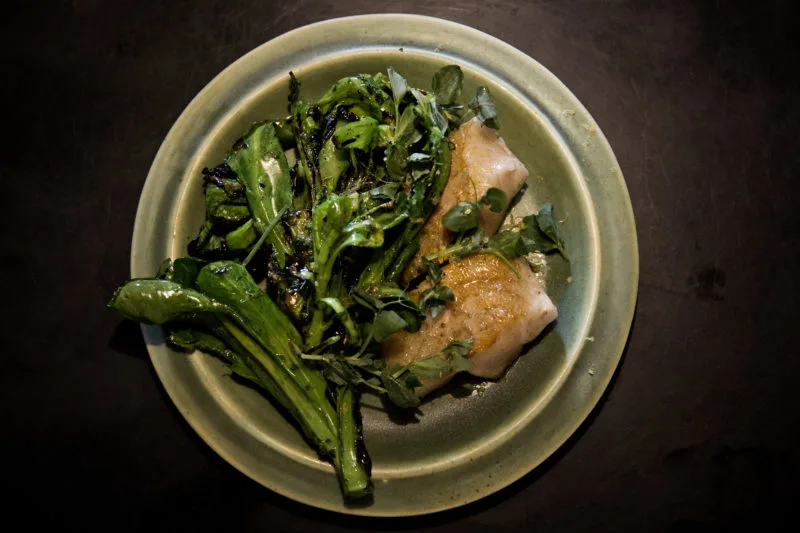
column 502, row 312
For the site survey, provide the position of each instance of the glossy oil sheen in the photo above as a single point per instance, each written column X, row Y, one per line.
column 465, row 442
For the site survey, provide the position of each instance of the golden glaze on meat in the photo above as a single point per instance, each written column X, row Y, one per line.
column 480, row 160
column 502, row 312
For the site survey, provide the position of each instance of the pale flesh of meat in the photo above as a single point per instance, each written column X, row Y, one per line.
column 502, row 312
column 480, row 160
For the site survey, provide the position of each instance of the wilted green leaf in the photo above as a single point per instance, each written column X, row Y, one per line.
column 387, row 322
column 399, row 87
column 483, row 107
column 447, row 83
column 495, row 199
column 435, row 299
column 461, row 217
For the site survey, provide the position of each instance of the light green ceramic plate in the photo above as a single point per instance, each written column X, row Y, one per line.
column 464, row 444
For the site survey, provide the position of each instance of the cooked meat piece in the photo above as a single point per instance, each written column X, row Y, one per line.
column 502, row 312
column 480, row 160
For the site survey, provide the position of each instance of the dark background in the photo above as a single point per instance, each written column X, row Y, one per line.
column 698, row 99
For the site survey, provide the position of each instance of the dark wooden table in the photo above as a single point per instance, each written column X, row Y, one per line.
column 698, row 98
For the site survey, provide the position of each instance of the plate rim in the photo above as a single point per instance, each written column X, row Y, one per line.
column 601, row 382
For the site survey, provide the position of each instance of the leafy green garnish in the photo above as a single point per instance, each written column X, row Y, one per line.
column 452, row 358
column 482, row 104
column 495, row 199
column 536, row 233
column 401, row 390
column 400, row 381
column 447, row 83
column 387, row 322
column 434, row 270
column 435, row 298
column 509, row 243
column 359, row 135
column 461, row 217
column 547, row 225
column 399, row 88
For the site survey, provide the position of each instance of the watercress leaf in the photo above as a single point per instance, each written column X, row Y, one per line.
column 468, row 245
column 435, row 298
column 495, row 199
column 534, row 236
column 434, row 270
column 447, row 82
column 459, row 348
column 461, row 217
column 398, row 391
column 387, row 322
column 547, row 224
column 452, row 358
column 397, row 160
column 391, row 297
column 483, row 107
column 399, row 86
column 431, row 367
column 460, row 364
column 386, row 191
column 509, row 243
column 406, row 132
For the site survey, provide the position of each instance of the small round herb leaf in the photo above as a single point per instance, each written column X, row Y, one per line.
column 462, row 217
column 495, row 199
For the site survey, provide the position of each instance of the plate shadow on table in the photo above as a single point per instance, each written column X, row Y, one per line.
column 127, row 339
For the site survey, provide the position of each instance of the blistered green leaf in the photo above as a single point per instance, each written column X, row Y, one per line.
column 158, row 301
column 261, row 166
column 358, row 135
column 435, row 298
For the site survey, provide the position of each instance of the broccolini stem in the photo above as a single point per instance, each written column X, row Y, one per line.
column 310, row 415
column 352, row 462
column 405, row 257
column 263, row 237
